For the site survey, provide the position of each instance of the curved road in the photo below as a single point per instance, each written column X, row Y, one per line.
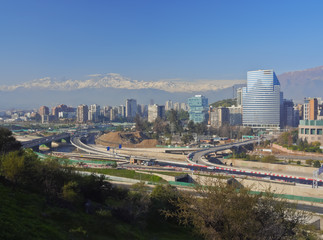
column 195, row 157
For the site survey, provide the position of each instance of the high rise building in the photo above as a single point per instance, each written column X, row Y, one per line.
column 198, row 108
column 261, row 100
column 94, row 113
column 131, row 108
column 155, row 111
column 219, row 116
column 82, row 113
column 239, row 97
column 176, row 106
column 184, row 107
column 143, row 110
column 235, row 113
column 311, row 109
column 43, row 110
column 113, row 113
column 168, row 105
column 288, row 118
column 122, row 111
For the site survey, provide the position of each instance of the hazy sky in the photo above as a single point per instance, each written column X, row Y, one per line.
column 157, row 39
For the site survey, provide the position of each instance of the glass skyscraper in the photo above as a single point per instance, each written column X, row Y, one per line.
column 198, row 108
column 261, row 100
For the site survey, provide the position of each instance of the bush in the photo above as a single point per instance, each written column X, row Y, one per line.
column 309, row 162
column 317, row 164
column 298, row 162
column 269, row 159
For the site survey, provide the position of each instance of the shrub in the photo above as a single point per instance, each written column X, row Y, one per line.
column 317, row 164
column 309, row 162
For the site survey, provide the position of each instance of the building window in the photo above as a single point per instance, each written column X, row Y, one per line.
column 302, row 130
column 307, row 131
column 312, row 131
column 319, row 131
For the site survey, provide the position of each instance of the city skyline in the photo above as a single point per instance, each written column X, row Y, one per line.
column 151, row 41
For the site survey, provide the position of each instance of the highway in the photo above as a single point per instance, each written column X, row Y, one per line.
column 203, row 165
column 196, row 156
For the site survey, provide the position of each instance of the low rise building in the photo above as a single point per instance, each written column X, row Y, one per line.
column 311, row 130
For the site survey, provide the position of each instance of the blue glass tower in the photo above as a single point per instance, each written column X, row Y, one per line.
column 198, row 108
column 261, row 100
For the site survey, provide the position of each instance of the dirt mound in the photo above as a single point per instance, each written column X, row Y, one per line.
column 127, row 139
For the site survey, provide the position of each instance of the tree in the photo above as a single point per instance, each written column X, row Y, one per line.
column 191, row 126
column 70, row 191
column 139, row 123
column 158, row 125
column 12, row 166
column 220, row 211
column 162, row 198
column 187, row 138
column 7, row 142
column 201, row 128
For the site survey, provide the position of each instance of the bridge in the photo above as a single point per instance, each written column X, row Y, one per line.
column 35, row 143
column 77, row 142
column 196, row 157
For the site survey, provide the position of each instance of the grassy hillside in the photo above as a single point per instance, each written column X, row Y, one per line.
column 25, row 215
column 224, row 103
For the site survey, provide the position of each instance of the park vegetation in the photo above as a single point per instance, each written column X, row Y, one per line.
column 291, row 141
column 48, row 199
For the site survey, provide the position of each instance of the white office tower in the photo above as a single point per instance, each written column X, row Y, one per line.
column 261, row 100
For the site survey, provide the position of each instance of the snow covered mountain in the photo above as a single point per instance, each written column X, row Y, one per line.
column 114, row 80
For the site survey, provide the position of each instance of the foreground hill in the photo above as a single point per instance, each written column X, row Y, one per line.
column 25, row 215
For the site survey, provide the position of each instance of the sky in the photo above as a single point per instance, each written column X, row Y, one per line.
column 152, row 40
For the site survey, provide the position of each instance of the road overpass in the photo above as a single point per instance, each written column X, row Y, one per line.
column 195, row 157
column 35, row 143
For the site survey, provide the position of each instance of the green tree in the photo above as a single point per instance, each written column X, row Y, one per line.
column 12, row 166
column 162, row 199
column 187, row 138
column 139, row 123
column 220, row 211
column 191, row 126
column 158, row 126
column 7, row 141
column 70, row 191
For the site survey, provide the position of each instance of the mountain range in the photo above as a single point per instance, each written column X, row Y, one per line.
column 299, row 84
column 113, row 89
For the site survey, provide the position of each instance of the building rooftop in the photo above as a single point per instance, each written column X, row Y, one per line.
column 311, row 122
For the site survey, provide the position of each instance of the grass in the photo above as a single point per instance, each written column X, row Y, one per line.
column 174, row 174
column 27, row 216
column 126, row 174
